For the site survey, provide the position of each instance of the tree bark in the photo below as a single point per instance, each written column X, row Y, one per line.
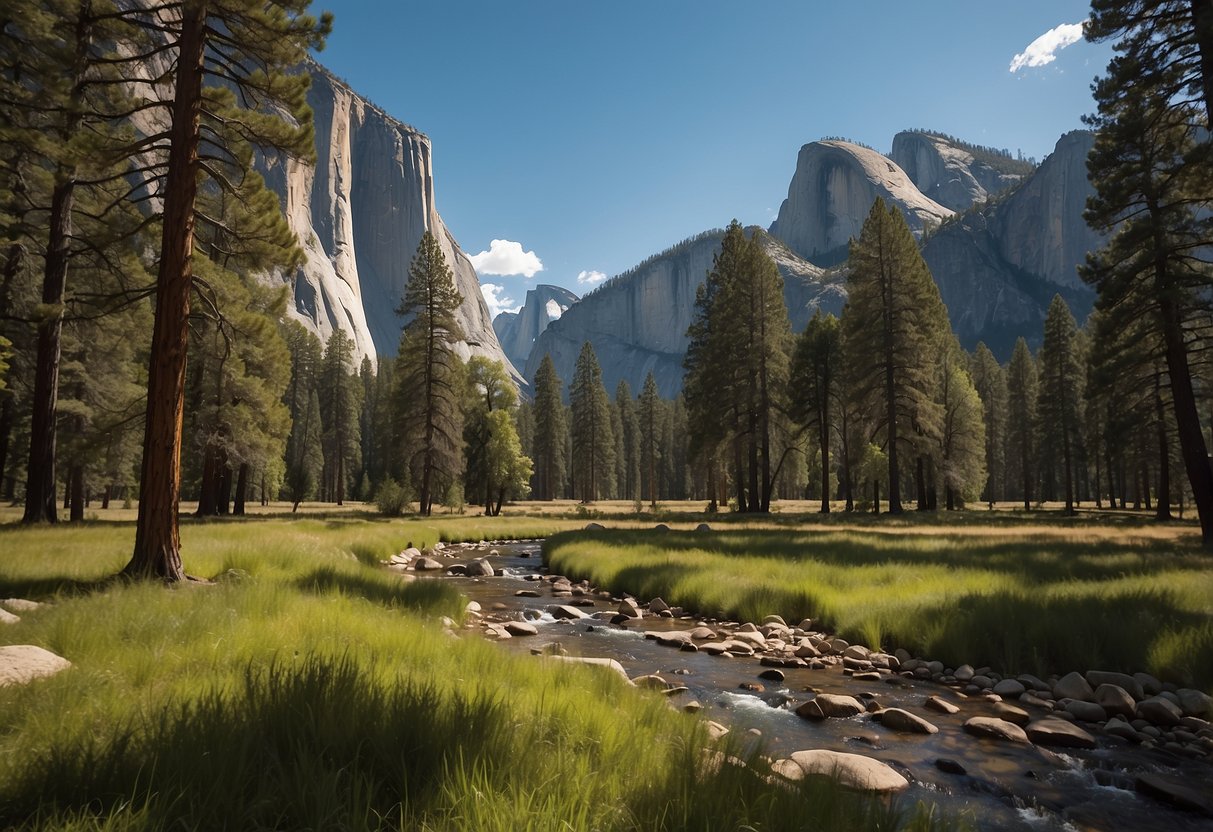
column 106, row 495
column 1163, row 506
column 241, row 490
column 1202, row 26
column 921, row 484
column 157, row 551
column 75, row 490
column 223, row 492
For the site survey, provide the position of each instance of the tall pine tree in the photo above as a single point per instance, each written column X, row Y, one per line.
column 593, row 444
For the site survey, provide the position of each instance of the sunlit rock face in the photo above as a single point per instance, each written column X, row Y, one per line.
column 832, row 192
column 359, row 213
column 999, row 266
column 518, row 331
column 637, row 321
column 947, row 172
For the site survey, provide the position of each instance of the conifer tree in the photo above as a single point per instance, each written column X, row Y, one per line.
column 1059, row 402
column 488, row 390
column 429, row 375
column 340, row 414
column 814, row 383
column 893, row 324
column 593, row 444
column 627, row 441
column 962, row 442
column 551, row 433
column 990, row 379
column 1021, row 421
column 367, row 429
column 650, row 436
column 231, row 88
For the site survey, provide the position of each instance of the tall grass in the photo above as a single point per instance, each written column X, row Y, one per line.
column 308, row 690
column 1016, row 601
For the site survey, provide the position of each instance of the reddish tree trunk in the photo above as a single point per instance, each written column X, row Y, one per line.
column 157, row 551
column 241, row 490
column 75, row 490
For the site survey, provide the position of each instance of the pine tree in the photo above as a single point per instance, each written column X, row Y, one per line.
column 304, row 454
column 340, row 414
column 1021, row 421
column 893, row 324
column 1059, row 402
column 245, row 50
column 429, row 375
column 489, row 390
column 962, row 443
column 551, row 433
column 649, row 435
column 627, row 442
column 368, row 430
column 991, row 382
column 814, row 387
column 593, row 445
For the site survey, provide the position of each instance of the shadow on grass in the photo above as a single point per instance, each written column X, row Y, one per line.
column 383, row 588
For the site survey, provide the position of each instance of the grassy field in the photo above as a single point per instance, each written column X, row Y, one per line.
column 1021, row 594
column 310, row 689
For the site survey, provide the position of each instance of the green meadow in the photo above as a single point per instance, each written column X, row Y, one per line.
column 308, row 687
column 1019, row 596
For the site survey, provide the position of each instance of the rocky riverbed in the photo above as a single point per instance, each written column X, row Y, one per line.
column 1086, row 750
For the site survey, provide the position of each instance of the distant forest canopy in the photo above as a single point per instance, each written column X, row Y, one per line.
column 848, row 141
column 998, row 158
column 675, row 249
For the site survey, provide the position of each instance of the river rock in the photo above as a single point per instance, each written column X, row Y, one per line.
column 716, row 730
column 830, row 706
column 896, row 719
column 479, row 568
column 1194, row 702
column 1034, row 683
column 1175, row 791
column 943, row 706
column 703, row 527
column 594, row 527
column 457, row 570
column 1150, row 685
column 565, row 612
column 606, row 664
column 1073, row 686
column 771, row 675
column 651, row 682
column 703, row 634
column 7, row 617
column 427, row 564
column 964, row 673
column 856, row 651
column 993, row 728
column 1009, row 688
column 22, row 663
column 526, row 593
column 1159, row 711
column 19, row 605
column 1130, row 685
column 1115, row 700
column 1059, row 733
column 854, row 771
column 754, row 638
column 658, row 606
column 775, row 619
column 1086, row 711
column 521, row 628
column 948, row 766
column 1117, row 727
column 807, row 650
column 1011, row 713
column 630, row 608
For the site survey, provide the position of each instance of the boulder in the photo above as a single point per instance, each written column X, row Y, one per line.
column 1150, row 685
column 856, row 651
column 630, row 608
column 521, row 628
column 565, row 612
column 1086, row 711
column 1059, row 733
column 1009, row 688
column 771, row 675
column 426, row 564
column 964, row 673
column 1194, row 702
column 1132, row 686
column 830, row 706
column 716, row 730
column 943, row 706
column 1073, row 686
column 658, row 606
column 479, row 568
column 993, row 728
column 1115, row 700
column 1159, row 711
column 703, row 634
column 1011, row 713
column 1176, row 791
column 895, row 719
column 651, row 682
column 526, row 593
column 7, row 617
column 1117, row 727
column 22, row 663
column 854, row 771
column 19, row 605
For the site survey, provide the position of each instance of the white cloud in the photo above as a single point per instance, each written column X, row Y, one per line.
column 494, row 296
column 1044, row 49
column 507, row 257
column 590, row 278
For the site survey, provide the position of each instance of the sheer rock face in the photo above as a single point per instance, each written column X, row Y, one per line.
column 832, row 192
column 359, row 213
column 518, row 331
column 637, row 322
column 999, row 266
column 946, row 173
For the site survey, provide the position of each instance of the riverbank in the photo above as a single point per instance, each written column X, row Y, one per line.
column 305, row 686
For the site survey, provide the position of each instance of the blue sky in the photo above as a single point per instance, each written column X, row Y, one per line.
column 594, row 133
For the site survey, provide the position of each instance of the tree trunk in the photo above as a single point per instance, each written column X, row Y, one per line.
column 921, row 485
column 208, row 485
column 1202, row 27
column 738, row 469
column 1163, row 509
column 7, row 410
column 75, row 490
column 847, row 478
column 223, row 495
column 876, row 496
column 949, row 498
column 1065, row 459
column 105, row 496
column 157, row 551
column 241, row 490
column 824, row 439
column 265, row 501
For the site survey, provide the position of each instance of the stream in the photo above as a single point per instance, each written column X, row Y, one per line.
column 1005, row 785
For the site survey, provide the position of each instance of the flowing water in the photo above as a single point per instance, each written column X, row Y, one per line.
column 1006, row 785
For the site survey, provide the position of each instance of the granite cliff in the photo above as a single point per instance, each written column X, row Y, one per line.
column 831, row 193
column 953, row 173
column 638, row 320
column 518, row 331
column 359, row 213
column 998, row 265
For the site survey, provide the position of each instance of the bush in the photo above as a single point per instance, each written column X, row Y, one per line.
column 391, row 498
